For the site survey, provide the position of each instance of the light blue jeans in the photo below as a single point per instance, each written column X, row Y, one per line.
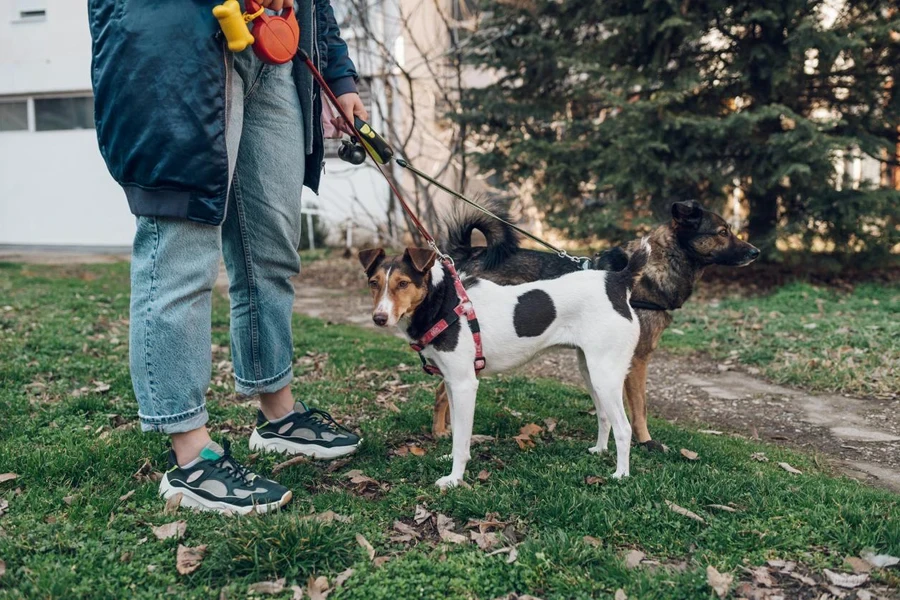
column 175, row 262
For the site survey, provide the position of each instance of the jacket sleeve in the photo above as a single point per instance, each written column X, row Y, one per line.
column 340, row 72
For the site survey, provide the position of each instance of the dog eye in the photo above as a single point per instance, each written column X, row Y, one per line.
column 373, row 284
column 403, row 285
column 723, row 232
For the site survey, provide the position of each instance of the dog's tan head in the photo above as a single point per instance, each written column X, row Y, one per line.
column 709, row 238
column 399, row 284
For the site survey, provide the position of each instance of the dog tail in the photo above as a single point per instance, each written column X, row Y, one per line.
column 502, row 240
column 636, row 263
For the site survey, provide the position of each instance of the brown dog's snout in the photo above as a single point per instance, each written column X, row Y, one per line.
column 380, row 319
column 753, row 253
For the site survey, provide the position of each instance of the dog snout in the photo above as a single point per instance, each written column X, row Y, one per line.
column 753, row 253
column 380, row 319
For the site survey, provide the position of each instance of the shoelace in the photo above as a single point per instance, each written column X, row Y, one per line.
column 237, row 470
column 325, row 418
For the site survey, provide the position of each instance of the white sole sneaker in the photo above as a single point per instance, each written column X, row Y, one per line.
column 260, row 444
column 191, row 500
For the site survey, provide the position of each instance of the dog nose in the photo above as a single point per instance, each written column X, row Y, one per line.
column 754, row 252
column 380, row 319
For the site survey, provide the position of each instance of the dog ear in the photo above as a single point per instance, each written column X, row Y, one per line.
column 370, row 258
column 421, row 258
column 687, row 214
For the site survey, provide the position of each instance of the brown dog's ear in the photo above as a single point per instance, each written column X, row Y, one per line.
column 370, row 258
column 687, row 214
column 421, row 258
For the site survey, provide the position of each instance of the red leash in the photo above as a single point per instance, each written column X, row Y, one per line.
column 349, row 123
column 465, row 305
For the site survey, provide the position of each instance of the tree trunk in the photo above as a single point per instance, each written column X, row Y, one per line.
column 763, row 222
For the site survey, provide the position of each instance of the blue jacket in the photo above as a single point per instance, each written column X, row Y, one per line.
column 159, row 76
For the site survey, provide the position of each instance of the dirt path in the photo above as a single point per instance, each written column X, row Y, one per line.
column 860, row 436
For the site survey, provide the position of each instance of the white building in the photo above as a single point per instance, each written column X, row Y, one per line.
column 54, row 186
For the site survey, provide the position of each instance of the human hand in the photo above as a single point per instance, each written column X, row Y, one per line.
column 353, row 106
column 275, row 5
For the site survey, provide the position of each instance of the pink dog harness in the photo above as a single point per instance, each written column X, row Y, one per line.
column 463, row 308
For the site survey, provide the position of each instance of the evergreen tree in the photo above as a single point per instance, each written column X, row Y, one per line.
column 615, row 108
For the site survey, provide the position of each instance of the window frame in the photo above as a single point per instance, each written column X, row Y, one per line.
column 32, row 118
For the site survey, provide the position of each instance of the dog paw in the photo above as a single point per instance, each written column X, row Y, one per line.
column 653, row 446
column 597, row 450
column 620, row 473
column 438, row 435
column 448, row 482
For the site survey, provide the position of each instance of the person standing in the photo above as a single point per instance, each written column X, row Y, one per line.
column 212, row 150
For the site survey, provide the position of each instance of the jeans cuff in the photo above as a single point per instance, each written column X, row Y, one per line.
column 186, row 421
column 246, row 387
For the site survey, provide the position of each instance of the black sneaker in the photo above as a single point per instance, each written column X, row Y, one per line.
column 308, row 431
column 216, row 481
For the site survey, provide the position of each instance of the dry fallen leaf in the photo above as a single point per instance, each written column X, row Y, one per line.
column 485, row 541
column 762, row 577
column 857, row 564
column 789, row 468
column 188, row 559
column 362, row 541
column 620, row 595
column 344, row 576
column 719, row 582
column 4, row 477
column 126, row 496
column 594, row 480
column 689, row 454
column 296, row 592
column 478, row 438
column 531, row 429
column 101, row 387
column 524, row 442
column 172, row 504
column 802, row 578
column 317, row 588
column 2, row 568
column 422, row 514
column 69, row 500
column 550, row 422
column 404, row 528
column 846, row 580
column 445, row 530
column 4, row 506
column 379, row 562
column 327, row 516
column 722, row 507
column 633, row 559
column 710, row 431
column 760, row 456
column 683, row 511
column 484, row 475
column 267, row 587
column 882, row 561
column 416, row 451
column 589, row 539
column 174, row 529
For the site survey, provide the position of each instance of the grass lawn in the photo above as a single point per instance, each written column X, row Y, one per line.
column 811, row 337
column 79, row 515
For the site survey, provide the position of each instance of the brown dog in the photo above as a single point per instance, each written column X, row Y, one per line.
column 694, row 239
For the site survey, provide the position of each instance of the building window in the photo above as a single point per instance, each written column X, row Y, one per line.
column 53, row 114
column 14, row 116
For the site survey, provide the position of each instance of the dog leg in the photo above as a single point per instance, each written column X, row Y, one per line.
column 441, row 417
column 608, row 385
column 603, row 425
column 462, row 413
column 636, row 394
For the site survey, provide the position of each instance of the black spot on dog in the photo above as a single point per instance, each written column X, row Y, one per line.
column 616, row 291
column 534, row 313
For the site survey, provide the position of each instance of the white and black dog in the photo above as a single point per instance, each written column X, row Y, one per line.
column 586, row 310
